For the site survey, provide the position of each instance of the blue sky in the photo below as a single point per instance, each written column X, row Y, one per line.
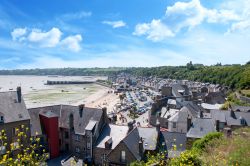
column 107, row 33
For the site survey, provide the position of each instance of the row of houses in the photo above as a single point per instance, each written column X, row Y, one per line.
column 83, row 132
column 186, row 117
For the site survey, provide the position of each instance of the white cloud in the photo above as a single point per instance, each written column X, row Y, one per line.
column 72, row 42
column 77, row 15
column 45, row 39
column 241, row 26
column 18, row 33
column 190, row 14
column 115, row 24
column 155, row 31
column 51, row 38
column 193, row 14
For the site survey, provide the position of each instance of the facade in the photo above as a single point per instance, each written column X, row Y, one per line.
column 13, row 115
column 77, row 130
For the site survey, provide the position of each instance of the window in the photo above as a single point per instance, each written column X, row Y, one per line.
column 13, row 132
column 66, row 134
column 77, row 137
column 1, row 119
column 2, row 149
column 77, row 150
column 123, row 156
column 174, row 124
column 88, row 145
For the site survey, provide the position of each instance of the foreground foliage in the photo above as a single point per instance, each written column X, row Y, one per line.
column 23, row 150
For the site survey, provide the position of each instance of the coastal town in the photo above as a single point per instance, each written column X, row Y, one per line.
column 132, row 117
column 124, row 83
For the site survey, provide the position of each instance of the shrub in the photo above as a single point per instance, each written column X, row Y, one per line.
column 201, row 143
column 188, row 157
column 19, row 154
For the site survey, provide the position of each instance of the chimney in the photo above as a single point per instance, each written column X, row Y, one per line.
column 201, row 114
column 130, row 126
column 108, row 143
column 217, row 125
column 141, row 147
column 81, row 109
column 105, row 115
column 19, row 94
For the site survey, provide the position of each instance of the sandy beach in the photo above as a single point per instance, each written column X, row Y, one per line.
column 37, row 94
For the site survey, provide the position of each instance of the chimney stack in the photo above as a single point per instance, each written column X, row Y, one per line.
column 201, row 114
column 81, row 109
column 130, row 126
column 19, row 94
column 105, row 115
column 158, row 125
column 141, row 147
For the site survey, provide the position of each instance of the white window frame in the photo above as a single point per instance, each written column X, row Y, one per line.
column 123, row 156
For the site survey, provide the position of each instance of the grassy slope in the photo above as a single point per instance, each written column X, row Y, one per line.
column 229, row 151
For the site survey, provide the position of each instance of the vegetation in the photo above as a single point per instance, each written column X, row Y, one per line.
column 229, row 151
column 213, row 149
column 233, row 100
column 21, row 151
column 233, row 76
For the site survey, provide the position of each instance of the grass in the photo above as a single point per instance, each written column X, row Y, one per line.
column 246, row 92
column 229, row 151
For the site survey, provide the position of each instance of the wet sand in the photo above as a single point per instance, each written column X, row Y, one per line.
column 36, row 94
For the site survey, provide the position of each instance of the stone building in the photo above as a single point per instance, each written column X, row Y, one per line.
column 13, row 114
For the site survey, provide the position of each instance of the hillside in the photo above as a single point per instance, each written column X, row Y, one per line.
column 234, row 76
column 229, row 151
column 213, row 149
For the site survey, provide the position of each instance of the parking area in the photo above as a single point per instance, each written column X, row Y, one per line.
column 135, row 106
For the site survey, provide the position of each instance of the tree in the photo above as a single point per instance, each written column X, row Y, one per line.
column 22, row 151
column 190, row 66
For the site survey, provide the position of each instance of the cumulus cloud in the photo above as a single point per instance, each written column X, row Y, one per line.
column 18, row 33
column 51, row 38
column 45, row 39
column 155, row 31
column 115, row 24
column 188, row 15
column 194, row 14
column 72, row 42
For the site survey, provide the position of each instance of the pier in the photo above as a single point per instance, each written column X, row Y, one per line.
column 68, row 82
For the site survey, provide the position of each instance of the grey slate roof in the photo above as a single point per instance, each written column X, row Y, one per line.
column 149, row 136
column 176, row 88
column 215, row 98
column 174, row 138
column 241, row 108
column 63, row 112
column 11, row 109
column 201, row 127
column 116, row 132
column 132, row 142
column 218, row 115
column 80, row 123
column 193, row 109
column 226, row 116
